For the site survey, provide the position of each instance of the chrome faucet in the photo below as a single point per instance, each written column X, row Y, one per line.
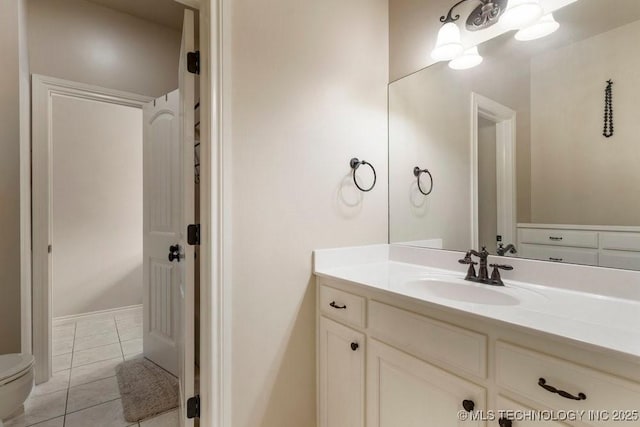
column 483, row 272
column 504, row 250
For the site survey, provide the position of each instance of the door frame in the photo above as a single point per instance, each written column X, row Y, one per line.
column 215, row 212
column 505, row 120
column 43, row 88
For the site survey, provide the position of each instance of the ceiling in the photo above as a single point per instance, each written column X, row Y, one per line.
column 164, row 12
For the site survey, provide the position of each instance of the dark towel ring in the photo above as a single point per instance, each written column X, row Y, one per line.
column 417, row 172
column 355, row 164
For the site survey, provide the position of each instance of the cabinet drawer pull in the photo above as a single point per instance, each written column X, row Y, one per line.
column 555, row 239
column 505, row 422
column 336, row 306
column 355, row 346
column 543, row 383
column 468, row 405
column 556, row 259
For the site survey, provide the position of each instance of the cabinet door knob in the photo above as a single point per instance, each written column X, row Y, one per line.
column 505, row 422
column 355, row 346
column 468, row 405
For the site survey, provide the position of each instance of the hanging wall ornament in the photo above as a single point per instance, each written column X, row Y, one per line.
column 608, row 110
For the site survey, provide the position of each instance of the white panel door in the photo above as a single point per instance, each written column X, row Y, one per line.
column 169, row 186
column 341, row 379
column 163, row 228
column 403, row 391
column 187, row 289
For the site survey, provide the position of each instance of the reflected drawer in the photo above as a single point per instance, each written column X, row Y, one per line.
column 573, row 238
column 619, row 259
column 429, row 339
column 559, row 254
column 620, row 241
column 520, row 371
column 342, row 306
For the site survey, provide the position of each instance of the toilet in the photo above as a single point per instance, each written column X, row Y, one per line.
column 16, row 383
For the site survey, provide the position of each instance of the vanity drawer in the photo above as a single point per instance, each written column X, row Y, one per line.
column 342, row 306
column 573, row 238
column 620, row 241
column 520, row 370
column 518, row 414
column 619, row 259
column 559, row 254
column 429, row 339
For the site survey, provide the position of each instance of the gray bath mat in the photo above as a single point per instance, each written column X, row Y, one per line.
column 146, row 389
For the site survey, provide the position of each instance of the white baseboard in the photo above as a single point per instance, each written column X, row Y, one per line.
column 122, row 311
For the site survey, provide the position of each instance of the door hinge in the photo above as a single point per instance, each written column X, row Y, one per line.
column 49, row 249
column 193, row 234
column 193, row 407
column 193, row 62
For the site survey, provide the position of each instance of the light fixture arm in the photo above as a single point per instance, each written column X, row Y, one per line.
column 450, row 17
column 485, row 14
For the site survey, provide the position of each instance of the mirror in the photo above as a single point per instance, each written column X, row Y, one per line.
column 521, row 150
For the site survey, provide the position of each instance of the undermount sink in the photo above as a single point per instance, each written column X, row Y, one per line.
column 455, row 291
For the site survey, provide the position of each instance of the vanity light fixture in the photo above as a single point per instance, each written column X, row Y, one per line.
column 470, row 58
column 521, row 14
column 545, row 26
column 449, row 44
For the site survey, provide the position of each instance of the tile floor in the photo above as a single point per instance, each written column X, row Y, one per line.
column 84, row 391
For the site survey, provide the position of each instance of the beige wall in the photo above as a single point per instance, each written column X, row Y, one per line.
column 97, row 206
column 430, row 126
column 74, row 40
column 579, row 176
column 25, row 179
column 11, row 105
column 84, row 42
column 80, row 41
column 308, row 93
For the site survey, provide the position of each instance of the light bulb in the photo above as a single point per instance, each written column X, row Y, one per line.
column 545, row 26
column 520, row 14
column 469, row 59
column 448, row 45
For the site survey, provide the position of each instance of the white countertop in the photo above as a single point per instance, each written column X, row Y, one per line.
column 603, row 321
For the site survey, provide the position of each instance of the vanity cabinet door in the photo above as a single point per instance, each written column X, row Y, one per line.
column 403, row 391
column 341, row 377
column 514, row 414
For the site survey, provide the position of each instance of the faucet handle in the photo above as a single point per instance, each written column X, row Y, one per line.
column 496, row 280
column 467, row 260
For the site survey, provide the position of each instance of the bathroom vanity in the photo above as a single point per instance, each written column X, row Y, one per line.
column 404, row 340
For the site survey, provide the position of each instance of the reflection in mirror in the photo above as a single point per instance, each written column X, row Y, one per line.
column 534, row 152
